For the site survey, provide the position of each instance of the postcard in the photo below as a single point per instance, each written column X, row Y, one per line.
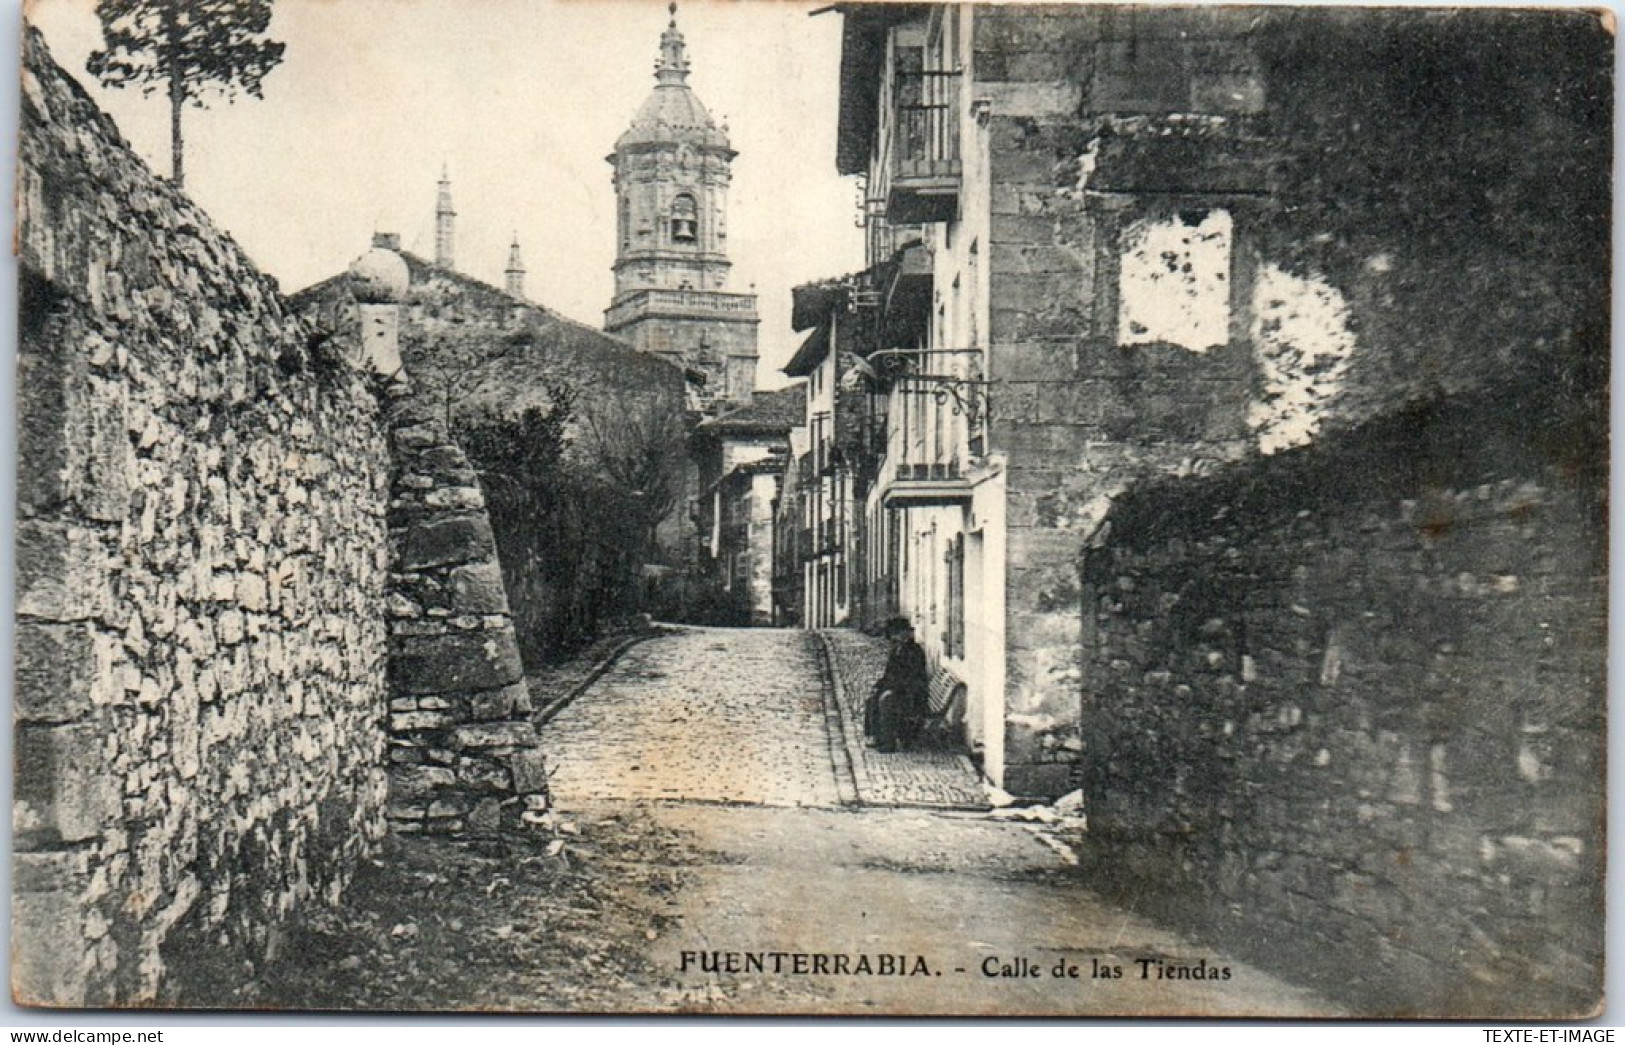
column 774, row 508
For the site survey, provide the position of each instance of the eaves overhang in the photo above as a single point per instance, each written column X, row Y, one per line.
column 863, row 56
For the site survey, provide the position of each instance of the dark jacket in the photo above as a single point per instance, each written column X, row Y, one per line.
column 906, row 678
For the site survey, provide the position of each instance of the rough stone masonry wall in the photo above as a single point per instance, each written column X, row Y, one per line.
column 489, row 354
column 1464, row 264
column 463, row 754
column 1345, row 707
column 1078, row 415
column 478, row 351
column 201, row 554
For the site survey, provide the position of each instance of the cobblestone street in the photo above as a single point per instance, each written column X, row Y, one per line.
column 709, row 715
column 792, row 839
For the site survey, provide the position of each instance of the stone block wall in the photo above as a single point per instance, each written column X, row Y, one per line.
column 1464, row 264
column 1312, row 689
column 1082, row 145
column 201, row 559
column 463, row 755
column 1203, row 246
column 1344, row 707
column 475, row 350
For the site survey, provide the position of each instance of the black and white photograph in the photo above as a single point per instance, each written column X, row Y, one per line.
column 812, row 509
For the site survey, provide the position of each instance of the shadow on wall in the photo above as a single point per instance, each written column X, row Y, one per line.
column 1345, row 711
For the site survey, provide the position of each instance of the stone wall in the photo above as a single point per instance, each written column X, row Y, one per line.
column 1340, row 646
column 1202, row 244
column 1087, row 401
column 721, row 349
column 1466, row 265
column 463, row 754
column 201, row 561
column 1316, row 367
column 1345, row 707
column 475, row 350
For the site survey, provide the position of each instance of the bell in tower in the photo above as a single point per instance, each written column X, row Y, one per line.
column 684, row 219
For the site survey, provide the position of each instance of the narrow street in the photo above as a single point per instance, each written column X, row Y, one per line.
column 804, row 888
column 702, row 715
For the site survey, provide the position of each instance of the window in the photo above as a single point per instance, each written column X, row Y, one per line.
column 685, row 219
column 954, row 638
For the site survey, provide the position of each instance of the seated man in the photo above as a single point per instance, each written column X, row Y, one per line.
column 900, row 701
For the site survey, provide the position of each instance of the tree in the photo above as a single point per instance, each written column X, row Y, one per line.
column 187, row 47
column 640, row 444
column 575, row 524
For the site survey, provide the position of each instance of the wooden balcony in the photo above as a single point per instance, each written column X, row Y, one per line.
column 925, row 164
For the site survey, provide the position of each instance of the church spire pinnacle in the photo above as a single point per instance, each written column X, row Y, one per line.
column 672, row 67
column 515, row 271
column 672, row 171
column 445, row 218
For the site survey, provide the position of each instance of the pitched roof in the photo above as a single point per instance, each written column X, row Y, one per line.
column 506, row 350
column 481, row 294
column 810, row 354
column 767, row 412
column 811, row 303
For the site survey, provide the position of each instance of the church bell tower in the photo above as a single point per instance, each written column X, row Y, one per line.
column 672, row 168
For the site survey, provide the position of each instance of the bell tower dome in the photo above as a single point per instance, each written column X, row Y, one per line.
column 672, row 169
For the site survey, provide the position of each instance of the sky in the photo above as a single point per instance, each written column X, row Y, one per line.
column 520, row 101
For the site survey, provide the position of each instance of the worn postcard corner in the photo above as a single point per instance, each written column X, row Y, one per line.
column 920, row 509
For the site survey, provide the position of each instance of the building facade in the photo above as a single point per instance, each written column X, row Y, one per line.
column 1079, row 281
column 822, row 516
column 1207, row 423
column 673, row 166
column 740, row 456
column 482, row 358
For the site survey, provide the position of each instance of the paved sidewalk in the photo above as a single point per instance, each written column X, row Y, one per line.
column 932, row 779
column 700, row 714
column 556, row 684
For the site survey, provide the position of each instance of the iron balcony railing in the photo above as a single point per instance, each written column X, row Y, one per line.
column 928, row 440
column 880, row 236
column 917, row 155
column 925, row 124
